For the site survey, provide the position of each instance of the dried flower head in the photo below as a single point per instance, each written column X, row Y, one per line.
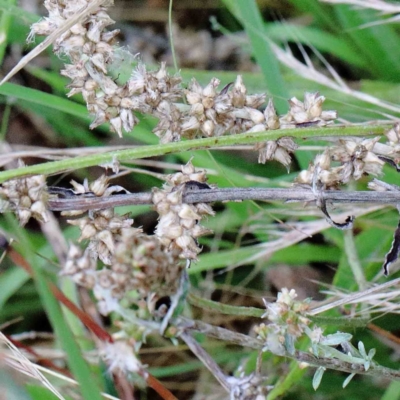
column 101, row 227
column 393, row 135
column 80, row 267
column 27, row 197
column 141, row 268
column 358, row 158
column 178, row 226
column 321, row 172
column 144, row 264
column 209, row 109
column 278, row 150
column 307, row 111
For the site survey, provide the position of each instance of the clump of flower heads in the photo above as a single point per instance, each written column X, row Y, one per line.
column 148, row 266
column 182, row 113
column 101, row 227
column 179, row 223
column 357, row 157
column 288, row 321
column 141, row 268
column 27, row 197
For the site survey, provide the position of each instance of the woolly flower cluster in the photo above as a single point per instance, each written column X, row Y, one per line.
column 178, row 227
column 27, row 197
column 120, row 357
column 193, row 112
column 248, row 387
column 287, row 322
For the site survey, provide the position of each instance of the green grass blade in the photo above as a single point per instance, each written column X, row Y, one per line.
column 10, row 281
column 392, row 392
column 45, row 99
column 77, row 364
column 323, row 41
column 304, row 254
column 320, row 12
column 247, row 12
column 378, row 44
column 5, row 23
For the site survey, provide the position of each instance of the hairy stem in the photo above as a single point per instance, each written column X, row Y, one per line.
column 189, row 145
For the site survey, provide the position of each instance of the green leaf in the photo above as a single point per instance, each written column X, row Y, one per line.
column 319, row 373
column 348, row 379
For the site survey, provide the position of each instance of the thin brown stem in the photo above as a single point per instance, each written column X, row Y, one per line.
column 206, row 359
column 228, row 194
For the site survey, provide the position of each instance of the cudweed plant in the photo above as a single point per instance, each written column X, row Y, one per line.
column 141, row 281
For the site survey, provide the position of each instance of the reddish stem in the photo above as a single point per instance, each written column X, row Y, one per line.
column 157, row 386
column 60, row 296
column 97, row 330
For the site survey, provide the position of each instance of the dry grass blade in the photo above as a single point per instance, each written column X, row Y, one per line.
column 70, row 381
column 56, row 34
column 21, row 363
column 301, row 231
column 307, row 71
column 384, row 6
column 372, row 295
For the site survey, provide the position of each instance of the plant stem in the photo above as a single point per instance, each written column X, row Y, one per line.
column 189, row 145
column 257, row 344
column 206, row 359
column 227, row 309
column 353, row 260
column 227, row 194
column 210, row 305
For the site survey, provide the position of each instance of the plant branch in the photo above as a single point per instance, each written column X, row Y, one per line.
column 228, row 194
column 215, row 306
column 257, row 344
column 206, row 359
column 56, row 167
